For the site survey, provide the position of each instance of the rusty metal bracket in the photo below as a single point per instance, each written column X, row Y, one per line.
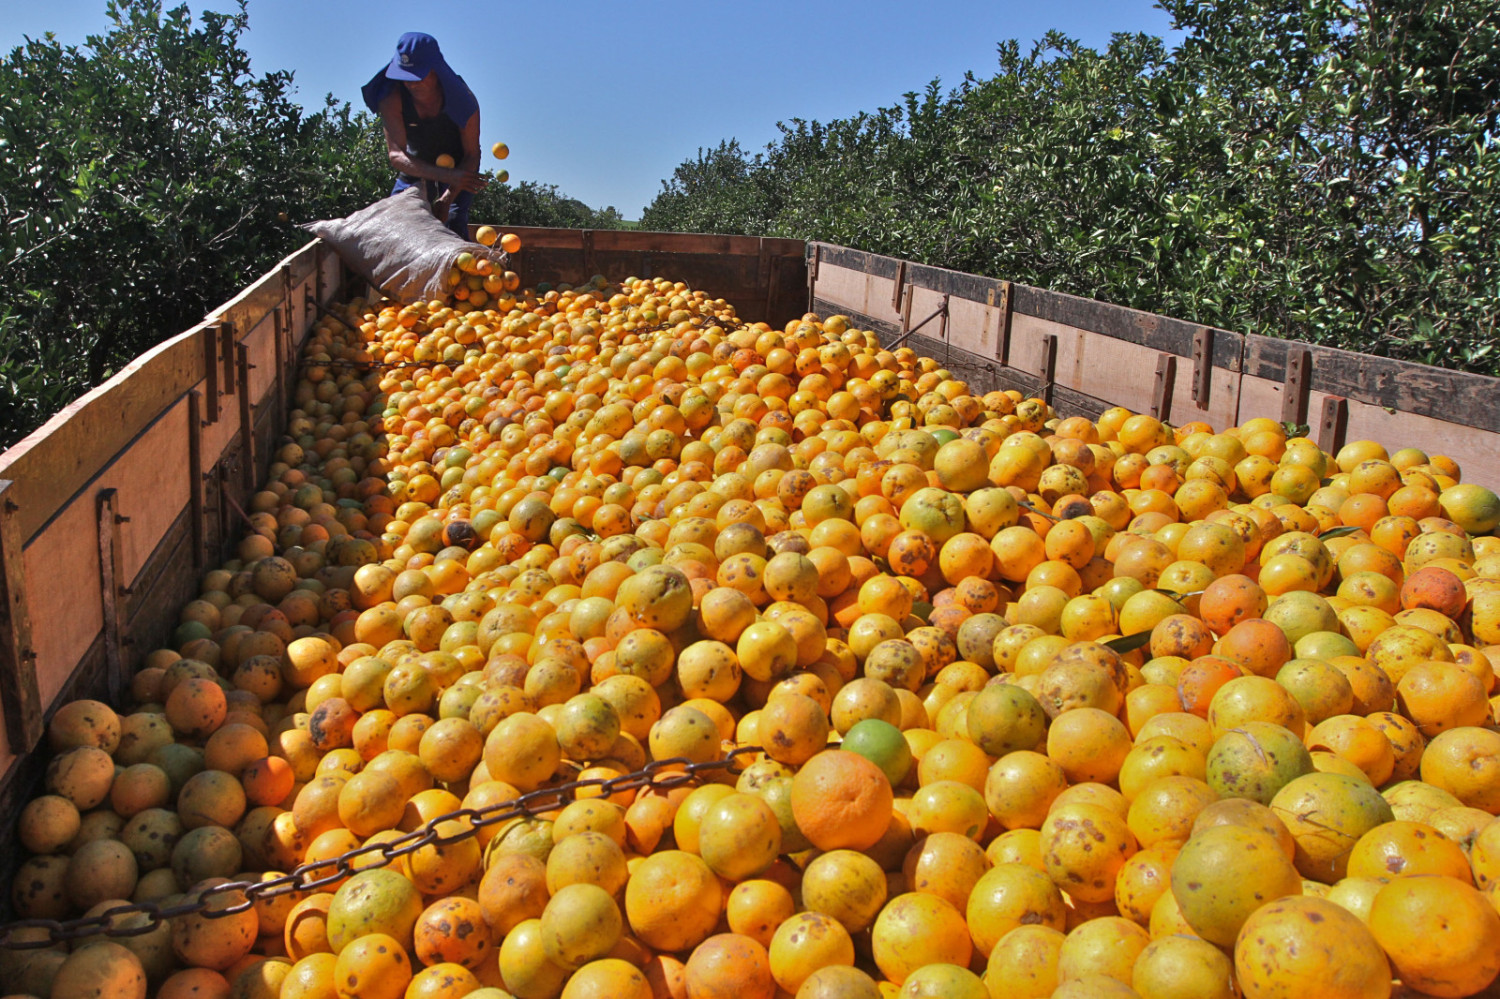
column 111, row 591
column 1048, row 372
column 287, row 324
column 279, row 372
column 220, row 471
column 247, row 417
column 1166, row 382
column 1007, row 306
column 1203, row 365
column 195, row 478
column 20, row 699
column 318, row 253
column 226, row 354
column 812, row 275
column 1298, row 386
column 1334, row 424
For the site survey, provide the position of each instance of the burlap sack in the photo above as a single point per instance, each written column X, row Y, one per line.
column 398, row 246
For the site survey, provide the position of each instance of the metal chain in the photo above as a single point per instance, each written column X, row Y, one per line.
column 318, row 874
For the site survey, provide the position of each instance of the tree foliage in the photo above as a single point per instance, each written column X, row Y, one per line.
column 1316, row 169
column 148, row 174
column 531, row 203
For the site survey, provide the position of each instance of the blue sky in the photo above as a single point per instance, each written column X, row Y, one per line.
column 605, row 99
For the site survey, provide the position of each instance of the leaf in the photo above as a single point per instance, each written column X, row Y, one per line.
column 1129, row 643
column 1339, row 532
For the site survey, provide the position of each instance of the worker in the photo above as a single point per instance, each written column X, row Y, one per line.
column 430, row 118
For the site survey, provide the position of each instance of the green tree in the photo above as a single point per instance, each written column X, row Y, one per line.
column 530, row 203
column 148, row 174
column 145, row 176
column 1315, row 169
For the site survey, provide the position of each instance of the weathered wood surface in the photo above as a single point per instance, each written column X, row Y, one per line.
column 105, row 509
column 19, row 696
column 763, row 277
column 51, row 465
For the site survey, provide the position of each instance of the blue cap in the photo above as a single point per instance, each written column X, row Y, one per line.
column 417, row 54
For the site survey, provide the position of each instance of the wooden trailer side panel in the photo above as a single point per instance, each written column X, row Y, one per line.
column 144, row 459
column 1102, row 355
column 765, row 278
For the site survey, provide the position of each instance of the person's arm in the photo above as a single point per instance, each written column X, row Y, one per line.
column 468, row 167
column 395, row 147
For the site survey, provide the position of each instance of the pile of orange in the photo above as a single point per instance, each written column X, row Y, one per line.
column 557, row 533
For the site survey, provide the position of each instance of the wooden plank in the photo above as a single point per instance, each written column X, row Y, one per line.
column 538, row 237
column 111, row 592
column 1118, row 322
column 984, row 375
column 303, row 264
column 970, row 326
column 772, row 310
column 20, row 698
column 957, row 284
column 763, row 279
column 853, row 291
column 56, row 461
column 1474, row 450
column 260, row 350
column 246, row 310
column 1420, row 389
column 789, row 298
column 151, row 477
column 1259, row 396
column 857, row 260
column 60, row 565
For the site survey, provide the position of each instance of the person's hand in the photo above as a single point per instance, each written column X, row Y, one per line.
column 467, row 180
column 443, row 202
